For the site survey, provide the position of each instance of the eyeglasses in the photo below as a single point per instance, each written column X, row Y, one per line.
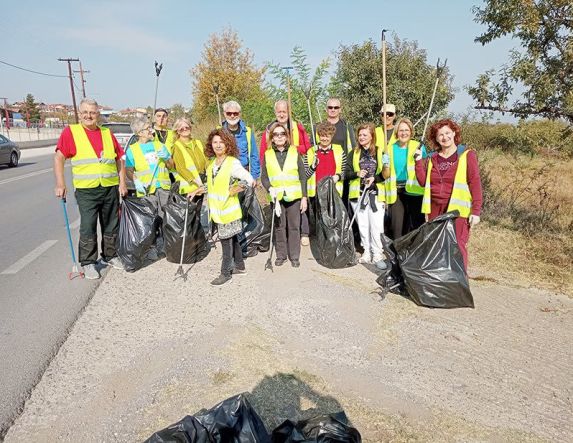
column 184, row 128
column 232, row 114
column 389, row 114
column 279, row 134
column 333, row 107
column 92, row 114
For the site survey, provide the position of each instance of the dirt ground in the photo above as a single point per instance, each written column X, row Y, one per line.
column 149, row 350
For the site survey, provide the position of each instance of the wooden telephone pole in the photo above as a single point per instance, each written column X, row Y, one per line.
column 70, row 60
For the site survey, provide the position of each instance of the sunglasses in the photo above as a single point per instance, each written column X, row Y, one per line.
column 333, row 107
column 279, row 134
column 184, row 128
column 232, row 114
column 389, row 114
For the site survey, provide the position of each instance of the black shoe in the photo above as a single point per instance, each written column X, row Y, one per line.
column 239, row 271
column 221, row 280
column 295, row 263
column 280, row 261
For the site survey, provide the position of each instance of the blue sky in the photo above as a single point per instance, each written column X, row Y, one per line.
column 118, row 41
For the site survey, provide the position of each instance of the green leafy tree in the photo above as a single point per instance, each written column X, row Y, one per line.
column 542, row 68
column 304, row 82
column 31, row 109
column 410, row 81
column 177, row 111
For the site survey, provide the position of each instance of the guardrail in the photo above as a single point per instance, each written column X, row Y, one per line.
column 22, row 135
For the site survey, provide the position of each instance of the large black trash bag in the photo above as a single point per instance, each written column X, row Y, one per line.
column 232, row 421
column 256, row 223
column 432, row 265
column 391, row 278
column 196, row 245
column 332, row 244
column 333, row 428
column 139, row 226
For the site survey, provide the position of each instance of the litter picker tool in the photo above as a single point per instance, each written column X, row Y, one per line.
column 439, row 70
column 75, row 265
column 216, row 91
column 288, row 69
column 384, row 149
column 152, row 177
column 269, row 263
column 360, row 201
column 158, row 68
column 180, row 272
column 318, row 111
column 312, row 130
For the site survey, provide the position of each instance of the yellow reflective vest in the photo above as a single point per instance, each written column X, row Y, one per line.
column 311, row 182
column 144, row 173
column 461, row 198
column 380, row 139
column 186, row 187
column 223, row 208
column 88, row 170
column 169, row 140
column 286, row 180
column 354, row 185
column 412, row 185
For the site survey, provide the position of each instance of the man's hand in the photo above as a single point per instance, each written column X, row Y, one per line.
column 60, row 190
column 303, row 205
column 473, row 220
column 122, row 189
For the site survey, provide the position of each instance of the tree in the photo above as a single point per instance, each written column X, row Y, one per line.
column 230, row 67
column 303, row 83
column 30, row 109
column 410, row 81
column 177, row 111
column 543, row 69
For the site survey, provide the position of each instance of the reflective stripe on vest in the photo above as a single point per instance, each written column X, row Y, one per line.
column 144, row 173
column 412, row 185
column 311, row 182
column 88, row 170
column 184, row 186
column 461, row 198
column 285, row 179
column 223, row 208
column 354, row 185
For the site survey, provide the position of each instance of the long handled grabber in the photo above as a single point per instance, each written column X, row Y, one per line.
column 287, row 69
column 439, row 70
column 318, row 112
column 360, row 201
column 152, row 177
column 269, row 263
column 179, row 272
column 312, row 130
column 158, row 68
column 384, row 141
column 75, row 265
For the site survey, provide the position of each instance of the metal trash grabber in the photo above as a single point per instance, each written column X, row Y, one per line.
column 360, row 200
column 439, row 70
column 179, row 272
column 158, row 68
column 291, row 132
column 152, row 177
column 269, row 263
column 312, row 129
column 384, row 141
column 75, row 265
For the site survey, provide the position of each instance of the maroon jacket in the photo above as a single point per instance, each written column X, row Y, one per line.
column 442, row 185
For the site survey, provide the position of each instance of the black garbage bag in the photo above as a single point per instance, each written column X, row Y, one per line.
column 432, row 265
column 233, row 420
column 196, row 245
column 391, row 278
column 332, row 244
column 256, row 223
column 139, row 227
column 333, row 428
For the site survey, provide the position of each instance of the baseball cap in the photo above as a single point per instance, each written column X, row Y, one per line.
column 389, row 108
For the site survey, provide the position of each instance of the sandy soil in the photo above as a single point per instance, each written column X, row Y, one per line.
column 149, row 350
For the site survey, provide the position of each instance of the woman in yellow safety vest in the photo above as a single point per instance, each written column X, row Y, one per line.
column 403, row 192
column 452, row 180
column 189, row 158
column 366, row 194
column 225, row 179
column 284, row 177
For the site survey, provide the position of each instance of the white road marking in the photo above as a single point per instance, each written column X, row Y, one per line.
column 30, row 174
column 75, row 224
column 29, row 258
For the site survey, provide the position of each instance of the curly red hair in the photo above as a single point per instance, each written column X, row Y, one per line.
column 227, row 138
column 433, row 132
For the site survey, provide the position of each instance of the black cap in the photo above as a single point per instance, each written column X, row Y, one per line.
column 162, row 109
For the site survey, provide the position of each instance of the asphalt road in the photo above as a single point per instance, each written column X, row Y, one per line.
column 38, row 304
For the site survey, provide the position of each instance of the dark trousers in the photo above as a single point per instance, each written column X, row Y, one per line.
column 232, row 255
column 287, row 231
column 101, row 203
column 405, row 214
column 305, row 218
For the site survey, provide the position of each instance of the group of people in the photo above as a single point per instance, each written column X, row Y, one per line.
column 382, row 174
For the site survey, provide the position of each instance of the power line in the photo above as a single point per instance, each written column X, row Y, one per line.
column 33, row 72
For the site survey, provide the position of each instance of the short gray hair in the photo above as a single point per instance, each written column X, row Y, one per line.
column 231, row 104
column 89, row 101
column 281, row 102
column 138, row 123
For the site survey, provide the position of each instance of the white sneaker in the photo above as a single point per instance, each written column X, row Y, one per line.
column 116, row 263
column 90, row 272
column 365, row 258
column 380, row 263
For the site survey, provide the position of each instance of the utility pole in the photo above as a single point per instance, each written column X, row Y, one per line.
column 7, row 116
column 81, row 72
column 70, row 60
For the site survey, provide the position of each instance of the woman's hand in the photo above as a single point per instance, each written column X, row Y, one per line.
column 303, row 205
column 368, row 182
column 362, row 173
column 235, row 189
column 418, row 154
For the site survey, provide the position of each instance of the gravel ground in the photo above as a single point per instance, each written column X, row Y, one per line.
column 149, row 350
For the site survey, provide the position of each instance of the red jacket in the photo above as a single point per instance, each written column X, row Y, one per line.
column 442, row 185
column 302, row 148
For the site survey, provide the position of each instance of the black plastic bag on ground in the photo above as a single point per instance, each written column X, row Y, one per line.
column 139, row 226
column 233, row 420
column 391, row 278
column 256, row 223
column 333, row 428
column 196, row 245
column 332, row 244
column 432, row 265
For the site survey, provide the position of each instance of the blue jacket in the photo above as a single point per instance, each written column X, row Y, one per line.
column 252, row 164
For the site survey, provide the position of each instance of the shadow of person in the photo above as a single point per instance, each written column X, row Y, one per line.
column 285, row 396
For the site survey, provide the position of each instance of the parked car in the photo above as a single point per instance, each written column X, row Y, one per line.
column 121, row 131
column 9, row 152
